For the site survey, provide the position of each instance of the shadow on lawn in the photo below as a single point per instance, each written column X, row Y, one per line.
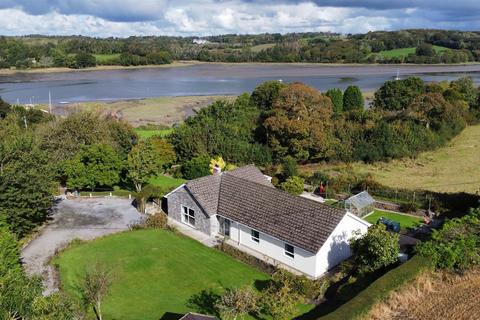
column 204, row 302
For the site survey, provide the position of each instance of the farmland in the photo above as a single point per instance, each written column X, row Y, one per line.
column 433, row 296
column 403, row 52
column 453, row 168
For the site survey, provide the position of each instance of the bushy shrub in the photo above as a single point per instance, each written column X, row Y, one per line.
column 154, row 221
column 409, row 207
column 457, row 245
column 293, row 185
column 196, row 168
column 376, row 249
column 312, row 290
column 289, row 167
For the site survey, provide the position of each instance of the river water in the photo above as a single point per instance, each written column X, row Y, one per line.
column 207, row 79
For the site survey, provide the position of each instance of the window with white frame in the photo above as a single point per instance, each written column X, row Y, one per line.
column 255, row 235
column 289, row 250
column 188, row 216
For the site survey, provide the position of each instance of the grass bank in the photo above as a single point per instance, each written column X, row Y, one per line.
column 380, row 289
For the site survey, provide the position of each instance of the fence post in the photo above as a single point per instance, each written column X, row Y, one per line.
column 90, row 194
column 110, row 194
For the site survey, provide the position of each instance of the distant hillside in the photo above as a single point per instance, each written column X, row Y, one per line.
column 405, row 46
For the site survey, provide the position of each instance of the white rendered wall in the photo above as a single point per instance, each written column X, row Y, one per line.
column 303, row 261
column 336, row 248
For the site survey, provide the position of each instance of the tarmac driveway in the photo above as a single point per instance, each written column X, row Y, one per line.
column 78, row 218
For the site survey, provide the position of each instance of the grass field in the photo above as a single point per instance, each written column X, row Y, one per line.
column 261, row 47
column 147, row 133
column 155, row 272
column 403, row 52
column 103, row 58
column 406, row 221
column 164, row 181
column 453, row 168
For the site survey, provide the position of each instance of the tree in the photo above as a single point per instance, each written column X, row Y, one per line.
column 300, row 124
column 85, row 60
column 353, row 99
column 376, row 249
column 293, row 185
column 196, row 168
column 95, row 285
column 237, row 302
column 289, row 167
column 5, row 108
column 142, row 164
column 94, row 166
column 265, row 95
column 336, row 95
column 279, row 302
column 425, row 49
column 164, row 151
column 26, row 178
column 397, row 95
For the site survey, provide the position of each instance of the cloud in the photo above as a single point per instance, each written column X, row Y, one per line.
column 207, row 17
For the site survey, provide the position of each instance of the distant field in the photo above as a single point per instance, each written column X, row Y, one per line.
column 453, row 168
column 103, row 58
column 403, row 52
column 261, row 47
column 162, row 110
column 147, row 133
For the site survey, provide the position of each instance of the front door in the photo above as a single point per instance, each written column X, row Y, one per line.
column 224, row 226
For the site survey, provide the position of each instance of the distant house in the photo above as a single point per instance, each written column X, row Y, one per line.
column 360, row 204
column 245, row 208
column 200, row 41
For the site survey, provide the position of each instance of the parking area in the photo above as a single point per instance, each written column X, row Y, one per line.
column 85, row 219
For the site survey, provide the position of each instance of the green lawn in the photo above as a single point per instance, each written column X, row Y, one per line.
column 147, row 133
column 406, row 221
column 155, row 272
column 403, row 52
column 103, row 58
column 165, row 181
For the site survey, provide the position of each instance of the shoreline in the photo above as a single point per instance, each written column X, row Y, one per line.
column 187, row 63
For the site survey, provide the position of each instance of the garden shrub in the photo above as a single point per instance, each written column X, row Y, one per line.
column 457, row 245
column 154, row 221
column 312, row 290
column 293, row 185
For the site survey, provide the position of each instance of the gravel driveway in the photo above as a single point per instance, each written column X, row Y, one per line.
column 79, row 218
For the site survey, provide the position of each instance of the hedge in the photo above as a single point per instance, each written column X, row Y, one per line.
column 361, row 304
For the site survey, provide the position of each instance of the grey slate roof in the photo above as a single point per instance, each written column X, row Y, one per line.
column 301, row 222
column 206, row 189
column 246, row 196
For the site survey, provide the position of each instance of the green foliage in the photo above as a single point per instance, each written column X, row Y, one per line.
column 26, row 179
column 142, row 164
column 353, row 99
column 163, row 151
column 300, row 124
column 265, row 95
column 300, row 285
column 336, row 95
column 20, row 296
column 94, row 166
column 376, row 249
column 289, row 167
column 293, row 185
column 397, row 95
column 425, row 49
column 279, row 301
column 457, row 245
column 84, row 60
column 223, row 129
column 196, row 168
